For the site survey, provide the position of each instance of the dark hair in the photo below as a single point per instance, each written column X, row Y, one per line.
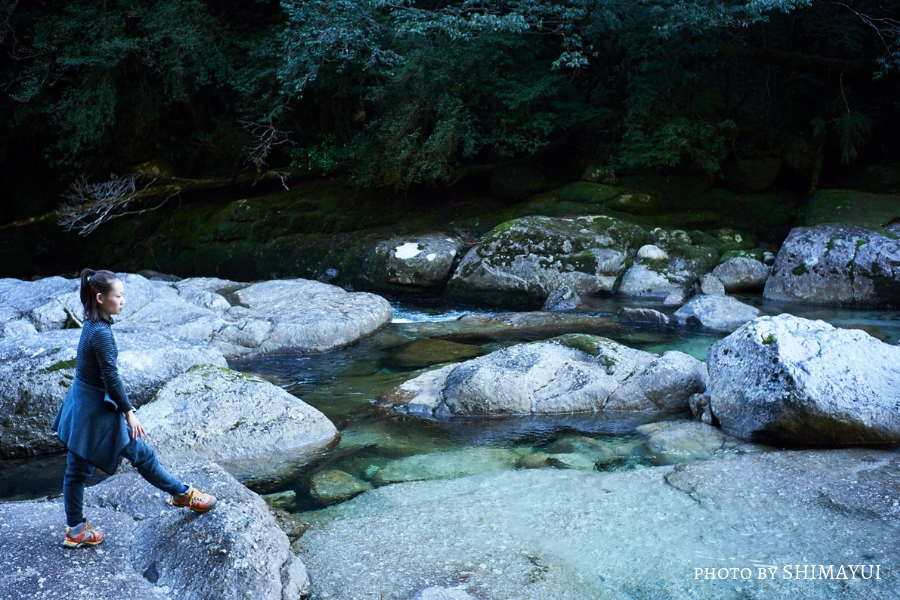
column 93, row 283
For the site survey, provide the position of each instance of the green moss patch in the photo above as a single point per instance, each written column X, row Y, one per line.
column 60, row 366
column 850, row 207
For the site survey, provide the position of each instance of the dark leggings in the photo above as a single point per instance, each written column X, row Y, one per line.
column 142, row 456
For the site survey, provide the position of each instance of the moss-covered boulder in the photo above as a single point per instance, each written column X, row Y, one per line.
column 421, row 262
column 522, row 261
column 851, row 207
column 837, row 265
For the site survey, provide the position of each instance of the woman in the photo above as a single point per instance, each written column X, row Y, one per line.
column 96, row 421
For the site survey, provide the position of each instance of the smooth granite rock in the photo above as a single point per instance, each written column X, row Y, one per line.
column 791, row 381
column 257, row 431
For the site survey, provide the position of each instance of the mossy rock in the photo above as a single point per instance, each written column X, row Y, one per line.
column 599, row 174
column 850, row 207
column 583, row 191
column 635, row 203
column 755, row 254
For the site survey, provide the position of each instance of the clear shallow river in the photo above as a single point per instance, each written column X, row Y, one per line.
column 343, row 384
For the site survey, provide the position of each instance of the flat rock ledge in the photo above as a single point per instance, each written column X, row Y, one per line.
column 567, row 374
column 152, row 550
column 255, row 430
column 790, row 381
column 533, row 534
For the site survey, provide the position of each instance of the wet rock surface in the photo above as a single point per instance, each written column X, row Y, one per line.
column 151, row 550
column 547, row 533
column 720, row 313
column 792, row 381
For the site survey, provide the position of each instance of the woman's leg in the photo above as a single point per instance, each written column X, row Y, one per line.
column 78, row 471
column 144, row 460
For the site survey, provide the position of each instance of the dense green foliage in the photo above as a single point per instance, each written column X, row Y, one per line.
column 401, row 92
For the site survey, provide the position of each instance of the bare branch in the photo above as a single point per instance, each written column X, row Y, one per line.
column 92, row 204
column 267, row 138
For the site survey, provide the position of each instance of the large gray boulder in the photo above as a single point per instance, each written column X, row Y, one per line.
column 791, row 381
column 298, row 315
column 524, row 260
column 571, row 373
column 414, row 262
column 294, row 315
column 36, row 372
column 720, row 313
column 533, row 534
column 839, row 265
column 741, row 274
column 258, row 432
column 152, row 550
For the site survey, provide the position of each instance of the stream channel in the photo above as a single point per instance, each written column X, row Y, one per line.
column 343, row 384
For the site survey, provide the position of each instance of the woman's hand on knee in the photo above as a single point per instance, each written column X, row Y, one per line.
column 137, row 430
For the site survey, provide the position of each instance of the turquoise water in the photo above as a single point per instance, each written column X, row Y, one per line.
column 343, row 384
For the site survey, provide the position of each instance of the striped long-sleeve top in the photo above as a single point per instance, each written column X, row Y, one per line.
column 96, row 362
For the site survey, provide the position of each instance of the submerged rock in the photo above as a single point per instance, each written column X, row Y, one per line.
column 152, row 550
column 422, row 353
column 533, row 534
column 522, row 261
column 721, row 313
column 258, row 432
column 445, row 465
column 328, row 487
column 573, row 373
column 790, row 381
column 682, row 442
column 840, row 265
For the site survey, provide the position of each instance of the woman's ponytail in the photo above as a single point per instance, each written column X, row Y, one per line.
column 93, row 283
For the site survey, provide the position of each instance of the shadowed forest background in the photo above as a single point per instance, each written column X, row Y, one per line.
column 142, row 104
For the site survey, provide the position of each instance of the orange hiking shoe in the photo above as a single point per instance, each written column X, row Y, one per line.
column 88, row 537
column 196, row 500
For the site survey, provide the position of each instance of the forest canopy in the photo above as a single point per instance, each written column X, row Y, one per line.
column 396, row 93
